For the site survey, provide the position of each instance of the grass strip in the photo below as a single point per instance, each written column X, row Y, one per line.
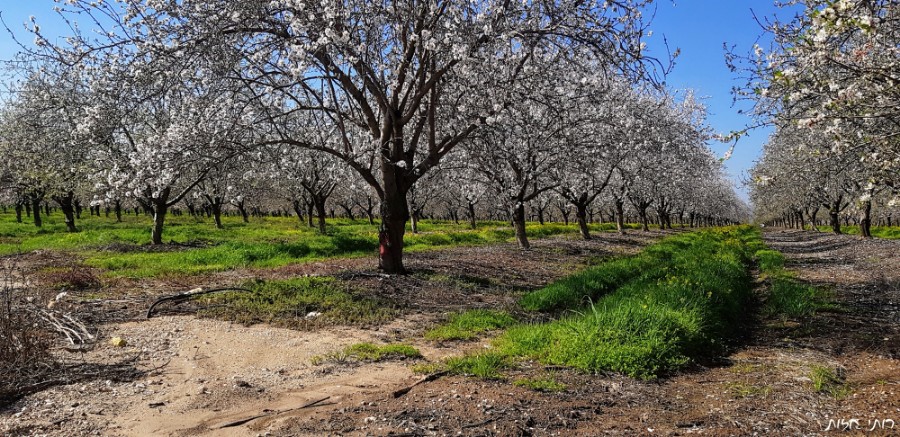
column 467, row 325
column 787, row 297
column 297, row 303
column 680, row 305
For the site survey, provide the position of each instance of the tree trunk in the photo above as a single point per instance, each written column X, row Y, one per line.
column 415, row 223
column 348, row 211
column 320, row 211
column 216, row 208
column 833, row 212
column 865, row 224
column 394, row 214
column 645, row 221
column 813, row 222
column 370, row 210
column 66, row 204
column 36, row 211
column 519, row 225
column 19, row 212
column 471, row 209
column 310, row 214
column 118, row 209
column 159, row 219
column 620, row 216
column 298, row 210
column 581, row 217
column 241, row 209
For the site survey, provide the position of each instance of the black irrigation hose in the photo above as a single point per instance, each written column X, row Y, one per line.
column 181, row 297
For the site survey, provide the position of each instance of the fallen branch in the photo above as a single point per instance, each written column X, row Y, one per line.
column 271, row 413
column 428, row 378
column 478, row 424
column 187, row 295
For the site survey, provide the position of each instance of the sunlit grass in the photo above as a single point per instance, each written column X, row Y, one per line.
column 678, row 301
column 194, row 246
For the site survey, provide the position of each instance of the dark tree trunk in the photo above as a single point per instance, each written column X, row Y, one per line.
column 310, row 214
column 159, row 220
column 833, row 214
column 241, row 209
column 348, row 211
column 865, row 224
column 77, row 204
column 645, row 221
column 298, row 209
column 19, row 212
column 117, row 206
column 415, row 222
column 217, row 214
column 66, row 204
column 620, row 216
column 320, row 212
column 394, row 215
column 370, row 210
column 36, row 210
column 581, row 217
column 519, row 225
column 471, row 210
column 813, row 221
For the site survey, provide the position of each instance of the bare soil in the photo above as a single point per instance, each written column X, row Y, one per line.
column 193, row 376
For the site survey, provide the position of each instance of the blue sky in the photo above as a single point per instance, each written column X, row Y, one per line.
column 698, row 27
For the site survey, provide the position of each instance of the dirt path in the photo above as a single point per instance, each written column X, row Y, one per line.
column 209, row 373
column 201, row 374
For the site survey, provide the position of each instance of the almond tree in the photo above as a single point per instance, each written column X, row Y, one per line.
column 833, row 73
column 403, row 82
column 41, row 155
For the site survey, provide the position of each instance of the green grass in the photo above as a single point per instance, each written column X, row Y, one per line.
column 769, row 260
column 581, row 289
column 545, row 384
column 197, row 247
column 826, row 380
column 791, row 299
column 740, row 390
column 368, row 352
column 468, row 325
column 371, row 352
column 289, row 303
column 888, row 233
column 787, row 297
column 682, row 306
column 485, row 365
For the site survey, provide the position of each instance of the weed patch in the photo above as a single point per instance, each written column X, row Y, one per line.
column 680, row 306
column 545, row 384
column 826, row 380
column 368, row 352
column 468, row 325
column 485, row 365
column 787, row 297
column 297, row 303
